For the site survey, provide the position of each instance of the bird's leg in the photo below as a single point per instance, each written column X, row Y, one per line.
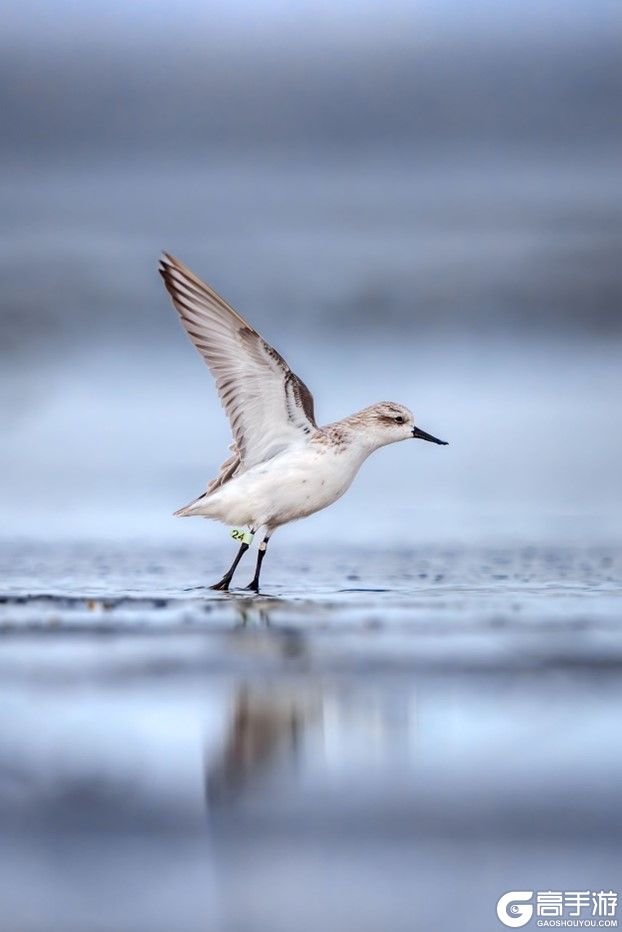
column 253, row 586
column 223, row 585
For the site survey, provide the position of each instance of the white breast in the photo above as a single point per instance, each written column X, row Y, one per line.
column 292, row 485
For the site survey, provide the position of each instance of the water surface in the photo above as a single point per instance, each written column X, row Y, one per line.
column 382, row 739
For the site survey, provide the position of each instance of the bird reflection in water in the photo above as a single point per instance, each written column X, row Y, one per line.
column 283, row 732
column 251, row 612
column 272, row 612
column 307, row 766
column 265, row 729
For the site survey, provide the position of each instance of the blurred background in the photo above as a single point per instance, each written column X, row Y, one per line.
column 412, row 201
column 417, row 201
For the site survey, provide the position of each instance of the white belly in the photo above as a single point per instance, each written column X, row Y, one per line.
column 290, row 486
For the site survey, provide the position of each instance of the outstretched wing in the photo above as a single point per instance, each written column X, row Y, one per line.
column 268, row 406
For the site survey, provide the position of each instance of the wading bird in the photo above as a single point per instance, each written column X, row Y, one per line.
column 282, row 465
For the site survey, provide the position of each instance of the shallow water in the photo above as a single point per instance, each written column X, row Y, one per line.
column 382, row 740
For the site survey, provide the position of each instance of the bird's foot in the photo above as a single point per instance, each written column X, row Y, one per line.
column 253, row 586
column 222, row 586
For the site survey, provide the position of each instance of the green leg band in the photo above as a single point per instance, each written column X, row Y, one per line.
column 243, row 537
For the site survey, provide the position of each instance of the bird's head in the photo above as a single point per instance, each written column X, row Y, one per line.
column 388, row 422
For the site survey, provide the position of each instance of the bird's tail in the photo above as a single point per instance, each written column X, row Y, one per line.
column 192, row 508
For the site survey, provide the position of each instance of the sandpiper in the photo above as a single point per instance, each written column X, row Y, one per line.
column 282, row 465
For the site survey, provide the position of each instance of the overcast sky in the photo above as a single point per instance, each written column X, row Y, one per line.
column 57, row 22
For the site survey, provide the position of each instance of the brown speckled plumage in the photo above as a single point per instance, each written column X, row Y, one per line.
column 339, row 434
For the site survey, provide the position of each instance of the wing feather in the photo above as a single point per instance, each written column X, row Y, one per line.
column 268, row 406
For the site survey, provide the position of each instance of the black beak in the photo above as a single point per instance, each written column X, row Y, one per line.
column 419, row 434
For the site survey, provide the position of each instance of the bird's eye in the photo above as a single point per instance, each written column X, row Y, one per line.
column 399, row 419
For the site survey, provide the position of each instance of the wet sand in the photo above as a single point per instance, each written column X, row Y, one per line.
column 381, row 740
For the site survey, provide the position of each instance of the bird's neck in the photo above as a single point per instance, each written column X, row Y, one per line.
column 350, row 436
